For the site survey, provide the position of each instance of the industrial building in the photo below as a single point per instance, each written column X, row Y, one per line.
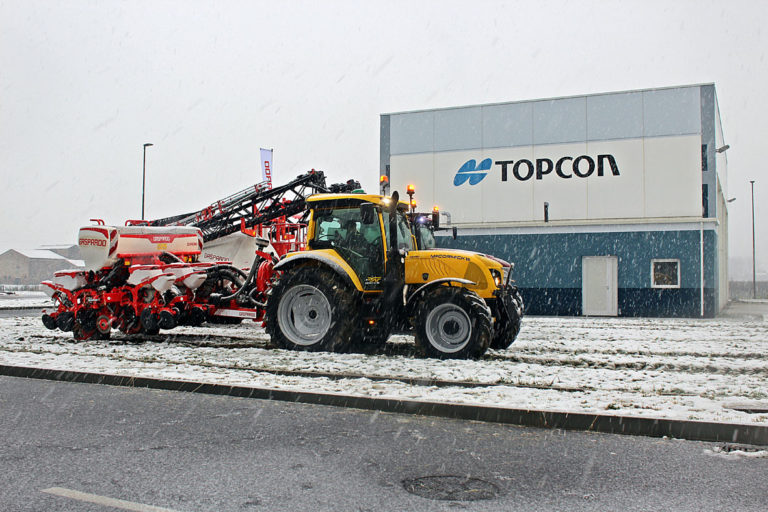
column 608, row 204
column 31, row 266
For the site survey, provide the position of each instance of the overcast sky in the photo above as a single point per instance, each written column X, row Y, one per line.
column 83, row 84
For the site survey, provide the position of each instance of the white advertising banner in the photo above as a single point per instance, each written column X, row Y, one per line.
column 266, row 166
column 655, row 177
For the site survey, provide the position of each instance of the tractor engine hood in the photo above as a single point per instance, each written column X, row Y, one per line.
column 463, row 252
column 427, row 265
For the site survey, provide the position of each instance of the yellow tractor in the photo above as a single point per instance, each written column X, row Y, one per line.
column 364, row 277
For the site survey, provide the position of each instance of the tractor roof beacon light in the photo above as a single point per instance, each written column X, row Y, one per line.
column 410, row 190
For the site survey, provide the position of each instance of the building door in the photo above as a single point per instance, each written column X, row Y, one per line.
column 599, row 285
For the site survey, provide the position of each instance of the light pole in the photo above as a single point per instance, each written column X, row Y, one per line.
column 754, row 274
column 144, row 178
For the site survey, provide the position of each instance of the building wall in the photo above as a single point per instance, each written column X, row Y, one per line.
column 43, row 269
column 14, row 268
column 722, row 249
column 548, row 268
column 659, row 193
column 653, row 139
column 71, row 252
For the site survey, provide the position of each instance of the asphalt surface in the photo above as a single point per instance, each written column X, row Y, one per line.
column 25, row 312
column 193, row 452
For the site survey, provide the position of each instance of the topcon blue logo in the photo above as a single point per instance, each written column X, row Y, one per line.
column 472, row 172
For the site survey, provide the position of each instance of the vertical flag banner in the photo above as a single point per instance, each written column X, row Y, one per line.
column 266, row 166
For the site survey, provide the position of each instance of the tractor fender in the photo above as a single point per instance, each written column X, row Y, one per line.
column 437, row 282
column 316, row 258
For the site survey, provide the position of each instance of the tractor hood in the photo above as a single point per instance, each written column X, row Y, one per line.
column 490, row 259
column 427, row 265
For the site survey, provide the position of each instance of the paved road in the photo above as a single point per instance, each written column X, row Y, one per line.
column 25, row 312
column 191, row 452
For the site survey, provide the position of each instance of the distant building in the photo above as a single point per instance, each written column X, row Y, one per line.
column 69, row 251
column 609, row 204
column 32, row 266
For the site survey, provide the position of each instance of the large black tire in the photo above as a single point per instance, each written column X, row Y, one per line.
column 453, row 323
column 508, row 325
column 311, row 309
column 65, row 321
column 82, row 332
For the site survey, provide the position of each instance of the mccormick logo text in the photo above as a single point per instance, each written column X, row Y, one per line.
column 565, row 167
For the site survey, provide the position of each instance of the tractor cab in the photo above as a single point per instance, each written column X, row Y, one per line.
column 353, row 230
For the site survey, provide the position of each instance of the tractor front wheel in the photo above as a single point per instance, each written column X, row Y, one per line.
column 508, row 320
column 453, row 323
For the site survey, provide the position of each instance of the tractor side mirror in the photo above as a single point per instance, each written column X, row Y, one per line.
column 455, row 231
column 367, row 213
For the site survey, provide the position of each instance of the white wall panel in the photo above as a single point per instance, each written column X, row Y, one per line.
column 622, row 196
column 658, row 177
column 463, row 202
column 567, row 197
column 512, row 199
column 673, row 176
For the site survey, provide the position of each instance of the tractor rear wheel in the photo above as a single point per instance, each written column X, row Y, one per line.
column 311, row 309
column 453, row 323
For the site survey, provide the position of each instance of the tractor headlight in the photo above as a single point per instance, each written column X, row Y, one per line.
column 507, row 271
column 497, row 277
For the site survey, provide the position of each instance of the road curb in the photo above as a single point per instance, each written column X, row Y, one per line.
column 652, row 427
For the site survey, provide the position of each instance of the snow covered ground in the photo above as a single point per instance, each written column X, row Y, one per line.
column 662, row 368
column 22, row 299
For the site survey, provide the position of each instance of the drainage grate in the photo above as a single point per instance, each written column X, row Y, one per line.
column 451, row 488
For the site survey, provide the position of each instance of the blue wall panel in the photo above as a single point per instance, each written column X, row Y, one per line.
column 548, row 268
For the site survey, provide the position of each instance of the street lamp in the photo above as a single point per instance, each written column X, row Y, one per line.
column 754, row 274
column 144, row 178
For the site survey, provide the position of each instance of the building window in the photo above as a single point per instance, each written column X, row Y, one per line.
column 665, row 273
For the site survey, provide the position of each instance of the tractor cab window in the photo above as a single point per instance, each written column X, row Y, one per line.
column 425, row 238
column 344, row 227
column 404, row 237
column 358, row 244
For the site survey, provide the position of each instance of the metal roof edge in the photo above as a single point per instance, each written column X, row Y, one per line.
column 650, row 89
